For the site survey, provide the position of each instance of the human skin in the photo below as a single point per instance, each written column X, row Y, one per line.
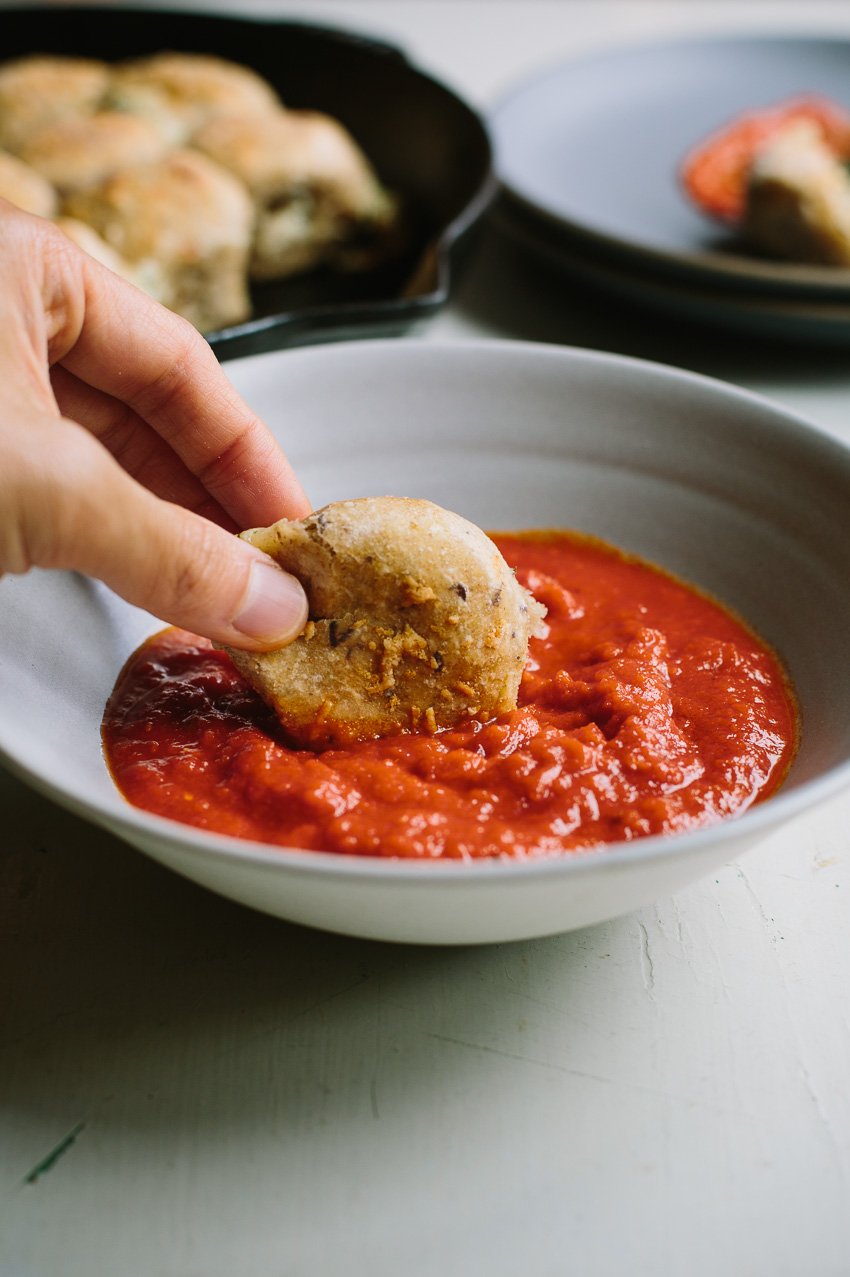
column 126, row 454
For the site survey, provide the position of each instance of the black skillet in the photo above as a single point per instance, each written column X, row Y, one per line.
column 425, row 142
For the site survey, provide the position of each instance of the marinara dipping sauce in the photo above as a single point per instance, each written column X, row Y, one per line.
column 648, row 709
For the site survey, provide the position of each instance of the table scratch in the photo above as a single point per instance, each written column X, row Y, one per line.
column 47, row 1163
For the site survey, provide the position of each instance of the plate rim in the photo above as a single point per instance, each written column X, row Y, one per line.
column 730, row 270
column 764, row 315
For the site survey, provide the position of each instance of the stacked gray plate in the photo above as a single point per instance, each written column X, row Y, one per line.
column 589, row 154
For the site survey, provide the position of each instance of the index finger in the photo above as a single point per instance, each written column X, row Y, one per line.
column 129, row 347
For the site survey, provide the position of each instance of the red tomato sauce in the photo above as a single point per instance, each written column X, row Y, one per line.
column 648, row 709
column 714, row 173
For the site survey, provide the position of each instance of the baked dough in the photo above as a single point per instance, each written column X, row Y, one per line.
column 37, row 91
column 179, row 92
column 314, row 189
column 416, row 623
column 798, row 198
column 184, row 225
column 90, row 242
column 190, row 169
column 85, row 149
column 133, row 150
column 22, row 186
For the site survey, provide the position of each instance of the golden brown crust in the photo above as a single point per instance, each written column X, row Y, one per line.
column 798, row 198
column 285, row 151
column 313, row 186
column 191, row 88
column 90, row 242
column 26, row 188
column 97, row 132
column 416, row 622
column 84, row 150
column 36, row 91
column 176, row 210
column 185, row 225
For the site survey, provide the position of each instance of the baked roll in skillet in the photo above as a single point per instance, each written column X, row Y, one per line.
column 90, row 242
column 26, row 188
column 188, row 89
column 36, row 91
column 83, row 150
column 316, row 192
column 184, row 224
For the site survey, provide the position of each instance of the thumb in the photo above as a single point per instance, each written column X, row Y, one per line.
column 89, row 515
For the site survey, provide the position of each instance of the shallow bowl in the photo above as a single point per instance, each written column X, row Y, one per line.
column 720, row 487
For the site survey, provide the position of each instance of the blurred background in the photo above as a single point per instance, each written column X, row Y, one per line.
column 190, row 1089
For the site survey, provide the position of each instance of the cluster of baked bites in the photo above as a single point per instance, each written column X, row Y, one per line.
column 188, row 175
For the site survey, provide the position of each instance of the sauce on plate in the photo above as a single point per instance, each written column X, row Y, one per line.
column 714, row 173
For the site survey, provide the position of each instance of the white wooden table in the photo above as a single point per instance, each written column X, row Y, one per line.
column 189, row 1089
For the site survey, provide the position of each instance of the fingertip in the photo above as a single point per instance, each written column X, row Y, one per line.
column 273, row 610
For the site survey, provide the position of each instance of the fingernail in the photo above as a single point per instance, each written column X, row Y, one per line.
column 274, row 609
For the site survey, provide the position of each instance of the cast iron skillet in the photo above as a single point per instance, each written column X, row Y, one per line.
column 424, row 141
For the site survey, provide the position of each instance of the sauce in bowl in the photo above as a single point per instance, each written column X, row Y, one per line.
column 647, row 709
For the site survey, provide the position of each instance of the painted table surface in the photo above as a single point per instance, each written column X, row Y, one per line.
column 192, row 1090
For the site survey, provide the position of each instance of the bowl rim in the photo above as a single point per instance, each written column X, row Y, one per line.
column 126, row 820
column 200, row 843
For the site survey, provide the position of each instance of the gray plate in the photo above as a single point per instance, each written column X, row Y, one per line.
column 593, row 148
column 798, row 319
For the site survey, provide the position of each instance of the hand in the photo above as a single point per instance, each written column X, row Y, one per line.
column 126, row 454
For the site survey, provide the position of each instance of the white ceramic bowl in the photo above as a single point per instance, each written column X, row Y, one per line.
column 720, row 487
